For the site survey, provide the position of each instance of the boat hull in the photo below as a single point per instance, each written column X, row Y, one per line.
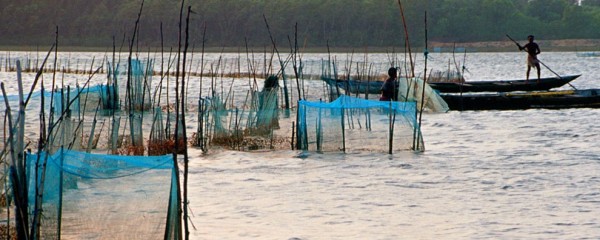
column 588, row 98
column 504, row 85
column 355, row 86
column 373, row 87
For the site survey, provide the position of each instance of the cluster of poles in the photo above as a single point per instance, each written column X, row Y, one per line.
column 217, row 122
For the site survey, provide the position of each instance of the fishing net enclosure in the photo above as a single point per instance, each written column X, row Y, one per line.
column 68, row 106
column 94, row 196
column 134, row 83
column 355, row 124
column 256, row 127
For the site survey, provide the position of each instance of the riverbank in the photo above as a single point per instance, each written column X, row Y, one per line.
column 565, row 45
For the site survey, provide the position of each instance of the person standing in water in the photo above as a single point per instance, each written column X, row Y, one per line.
column 389, row 89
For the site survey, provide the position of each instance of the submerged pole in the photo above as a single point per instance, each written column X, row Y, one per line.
column 391, row 131
column 343, row 130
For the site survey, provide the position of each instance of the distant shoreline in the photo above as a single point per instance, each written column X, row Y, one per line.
column 565, row 45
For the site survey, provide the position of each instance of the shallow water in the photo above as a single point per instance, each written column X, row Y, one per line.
column 532, row 174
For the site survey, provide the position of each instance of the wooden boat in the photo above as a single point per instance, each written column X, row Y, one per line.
column 355, row 86
column 588, row 98
column 503, row 85
column 548, row 83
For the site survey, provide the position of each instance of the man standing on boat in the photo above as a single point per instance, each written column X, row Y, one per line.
column 532, row 49
column 389, row 90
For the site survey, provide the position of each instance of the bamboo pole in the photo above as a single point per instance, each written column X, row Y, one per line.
column 343, row 130
column 419, row 136
column 282, row 65
column 406, row 39
column 20, row 165
column 391, row 127
column 294, row 62
column 320, row 130
column 183, row 128
column 177, row 122
column 91, row 137
column 293, row 134
column 19, row 185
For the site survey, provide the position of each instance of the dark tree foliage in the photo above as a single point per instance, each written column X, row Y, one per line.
column 591, row 3
column 341, row 23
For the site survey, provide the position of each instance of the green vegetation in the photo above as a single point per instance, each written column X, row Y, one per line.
column 339, row 23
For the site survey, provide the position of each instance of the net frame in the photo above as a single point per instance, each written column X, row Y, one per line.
column 104, row 196
column 355, row 124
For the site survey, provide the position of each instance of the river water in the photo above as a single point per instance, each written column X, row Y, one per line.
column 532, row 174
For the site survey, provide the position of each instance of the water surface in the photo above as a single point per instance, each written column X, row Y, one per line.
column 532, row 174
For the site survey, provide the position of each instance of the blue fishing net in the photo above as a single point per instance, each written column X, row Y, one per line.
column 104, row 196
column 73, row 98
column 355, row 124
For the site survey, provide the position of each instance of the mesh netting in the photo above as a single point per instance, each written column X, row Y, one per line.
column 256, row 126
column 411, row 89
column 69, row 106
column 105, row 196
column 354, row 124
column 74, row 99
column 138, row 86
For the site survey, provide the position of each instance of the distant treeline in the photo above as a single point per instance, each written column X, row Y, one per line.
column 319, row 23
